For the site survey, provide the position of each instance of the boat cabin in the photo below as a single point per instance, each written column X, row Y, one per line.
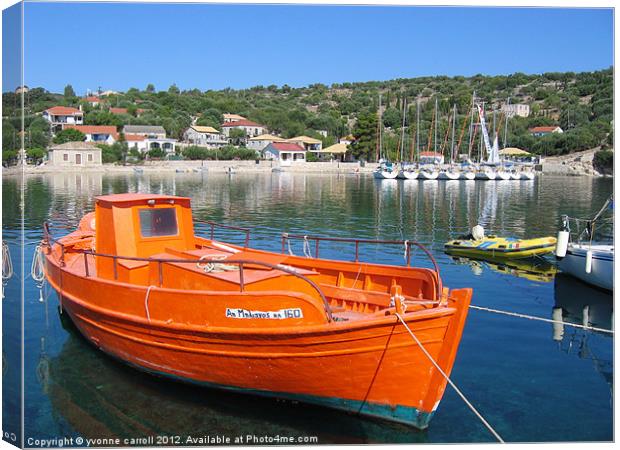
column 138, row 225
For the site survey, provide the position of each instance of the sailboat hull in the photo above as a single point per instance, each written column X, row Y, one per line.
column 486, row 176
column 502, row 176
column 408, row 175
column 468, row 176
column 526, row 176
column 428, row 175
column 385, row 174
column 448, row 175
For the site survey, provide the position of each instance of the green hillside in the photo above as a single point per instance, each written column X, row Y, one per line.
column 580, row 103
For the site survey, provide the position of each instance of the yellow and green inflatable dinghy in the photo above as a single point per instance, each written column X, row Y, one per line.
column 479, row 246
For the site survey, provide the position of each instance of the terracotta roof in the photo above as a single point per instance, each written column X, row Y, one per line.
column 286, row 146
column 242, row 123
column 118, row 110
column 92, row 99
column 543, row 129
column 134, row 137
column 93, row 129
column 63, row 111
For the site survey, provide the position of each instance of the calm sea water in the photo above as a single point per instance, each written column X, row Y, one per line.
column 531, row 381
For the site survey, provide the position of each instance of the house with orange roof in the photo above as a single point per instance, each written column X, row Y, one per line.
column 543, row 131
column 232, row 117
column 60, row 116
column 92, row 100
column 101, row 134
column 250, row 128
column 284, row 152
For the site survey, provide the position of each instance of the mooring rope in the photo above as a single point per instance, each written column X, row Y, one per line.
column 146, row 303
column 542, row 319
column 467, row 402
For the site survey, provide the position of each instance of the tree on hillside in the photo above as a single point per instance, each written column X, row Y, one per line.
column 69, row 135
column 365, row 132
column 173, row 89
column 150, row 88
column 237, row 136
column 69, row 92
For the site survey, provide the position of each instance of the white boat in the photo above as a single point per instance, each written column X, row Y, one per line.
column 384, row 172
column 526, row 175
column 590, row 257
column 486, row 174
column 502, row 174
column 468, row 175
column 449, row 174
column 514, row 175
column 428, row 174
column 408, row 173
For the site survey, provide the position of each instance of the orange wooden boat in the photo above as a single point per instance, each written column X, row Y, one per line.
column 142, row 287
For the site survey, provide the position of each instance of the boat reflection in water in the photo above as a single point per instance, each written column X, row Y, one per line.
column 581, row 304
column 102, row 398
column 533, row 269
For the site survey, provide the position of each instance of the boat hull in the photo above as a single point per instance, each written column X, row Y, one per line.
column 503, row 176
column 526, row 175
column 448, row 175
column 501, row 248
column 468, row 176
column 385, row 174
column 408, row 175
column 428, row 175
column 371, row 368
column 602, row 272
column 486, row 176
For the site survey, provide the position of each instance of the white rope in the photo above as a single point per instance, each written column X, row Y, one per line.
column 542, row 319
column 467, row 402
column 406, row 248
column 146, row 303
column 307, row 252
column 288, row 241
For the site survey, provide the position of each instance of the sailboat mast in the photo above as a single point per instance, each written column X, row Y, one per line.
column 506, row 124
column 471, row 127
column 453, row 129
column 380, row 129
column 402, row 133
column 417, row 128
column 436, row 120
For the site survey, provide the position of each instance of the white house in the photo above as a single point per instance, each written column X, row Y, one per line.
column 258, row 143
column 347, row 140
column 149, row 131
column 284, row 152
column 250, row 128
column 75, row 154
column 516, row 109
column 204, row 136
column 232, row 118
column 92, row 100
column 103, row 134
column 144, row 144
column 310, row 144
column 59, row 116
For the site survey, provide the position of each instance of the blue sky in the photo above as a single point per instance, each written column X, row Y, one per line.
column 117, row 46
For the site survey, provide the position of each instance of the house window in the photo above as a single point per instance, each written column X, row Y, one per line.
column 65, row 157
column 90, row 157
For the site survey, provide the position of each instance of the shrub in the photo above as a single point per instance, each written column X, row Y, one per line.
column 604, row 161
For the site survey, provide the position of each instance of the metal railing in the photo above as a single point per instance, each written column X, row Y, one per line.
column 48, row 239
column 407, row 244
column 214, row 225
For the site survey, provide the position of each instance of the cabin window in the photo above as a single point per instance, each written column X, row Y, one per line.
column 158, row 222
